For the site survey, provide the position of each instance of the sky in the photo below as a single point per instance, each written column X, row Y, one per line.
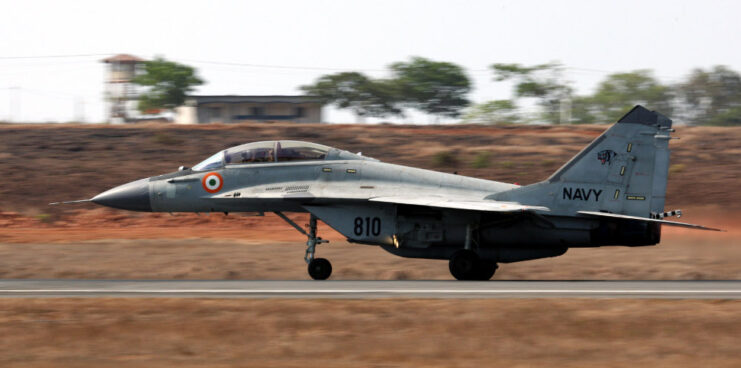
column 281, row 45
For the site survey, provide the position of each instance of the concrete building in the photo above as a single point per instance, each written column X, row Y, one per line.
column 234, row 109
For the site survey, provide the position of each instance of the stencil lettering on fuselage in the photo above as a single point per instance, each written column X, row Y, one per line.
column 581, row 194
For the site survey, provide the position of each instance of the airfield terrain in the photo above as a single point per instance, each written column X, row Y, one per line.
column 46, row 163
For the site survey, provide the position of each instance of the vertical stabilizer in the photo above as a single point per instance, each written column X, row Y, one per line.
column 624, row 171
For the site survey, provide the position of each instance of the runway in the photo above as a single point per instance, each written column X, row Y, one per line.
column 370, row 289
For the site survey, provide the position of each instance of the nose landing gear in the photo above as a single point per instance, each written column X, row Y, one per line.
column 319, row 268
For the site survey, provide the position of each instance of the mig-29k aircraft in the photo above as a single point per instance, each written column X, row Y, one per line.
column 611, row 193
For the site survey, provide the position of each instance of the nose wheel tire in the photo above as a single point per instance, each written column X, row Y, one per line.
column 320, row 269
column 466, row 265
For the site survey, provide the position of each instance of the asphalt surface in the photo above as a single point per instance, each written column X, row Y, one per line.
column 371, row 289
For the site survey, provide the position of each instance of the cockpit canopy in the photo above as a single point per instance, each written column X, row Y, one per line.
column 272, row 151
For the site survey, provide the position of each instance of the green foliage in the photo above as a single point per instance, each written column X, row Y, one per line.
column 355, row 91
column 169, row 84
column 482, row 160
column 45, row 218
column 621, row 91
column 548, row 162
column 711, row 96
column 677, row 168
column 493, row 112
column 507, row 164
column 706, row 97
column 445, row 159
column 435, row 87
column 583, row 110
column 166, row 139
column 730, row 117
column 544, row 82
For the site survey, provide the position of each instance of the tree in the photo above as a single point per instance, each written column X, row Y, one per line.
column 711, row 96
column 493, row 112
column 583, row 110
column 728, row 117
column 434, row 87
column 169, row 84
column 619, row 92
column 353, row 90
column 544, row 82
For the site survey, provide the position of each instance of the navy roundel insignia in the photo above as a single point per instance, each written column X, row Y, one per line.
column 212, row 182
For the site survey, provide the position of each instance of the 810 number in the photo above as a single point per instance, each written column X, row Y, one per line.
column 367, row 226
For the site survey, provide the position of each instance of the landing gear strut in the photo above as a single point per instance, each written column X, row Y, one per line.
column 319, row 268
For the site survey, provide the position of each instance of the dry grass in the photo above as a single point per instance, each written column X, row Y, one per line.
column 360, row 333
column 682, row 255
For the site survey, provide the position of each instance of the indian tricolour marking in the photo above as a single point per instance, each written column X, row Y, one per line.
column 212, row 182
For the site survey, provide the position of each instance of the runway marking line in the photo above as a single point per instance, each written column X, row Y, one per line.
column 368, row 291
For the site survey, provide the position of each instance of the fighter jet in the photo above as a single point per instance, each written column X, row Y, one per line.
column 610, row 193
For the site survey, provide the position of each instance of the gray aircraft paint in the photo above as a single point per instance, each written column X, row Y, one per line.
column 631, row 182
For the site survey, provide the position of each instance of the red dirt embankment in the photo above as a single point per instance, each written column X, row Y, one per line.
column 47, row 163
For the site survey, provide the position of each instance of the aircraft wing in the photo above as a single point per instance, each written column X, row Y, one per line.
column 646, row 219
column 429, row 201
column 472, row 205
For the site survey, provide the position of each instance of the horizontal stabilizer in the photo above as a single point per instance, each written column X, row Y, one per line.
column 472, row 205
column 646, row 219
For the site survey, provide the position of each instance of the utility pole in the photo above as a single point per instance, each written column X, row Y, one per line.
column 565, row 111
column 14, row 109
column 79, row 110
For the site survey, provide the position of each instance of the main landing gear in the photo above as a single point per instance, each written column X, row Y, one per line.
column 319, row 268
column 465, row 264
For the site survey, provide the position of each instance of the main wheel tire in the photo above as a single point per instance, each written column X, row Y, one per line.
column 485, row 270
column 463, row 264
column 320, row 269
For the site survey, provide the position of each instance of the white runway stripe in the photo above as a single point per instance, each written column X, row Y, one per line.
column 372, row 289
column 368, row 291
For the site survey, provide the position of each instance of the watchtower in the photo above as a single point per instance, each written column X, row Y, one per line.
column 120, row 93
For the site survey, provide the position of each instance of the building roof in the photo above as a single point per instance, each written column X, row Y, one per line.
column 295, row 99
column 123, row 58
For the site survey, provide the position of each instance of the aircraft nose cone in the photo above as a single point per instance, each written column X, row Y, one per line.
column 132, row 196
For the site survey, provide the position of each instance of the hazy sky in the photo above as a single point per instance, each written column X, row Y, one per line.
column 319, row 37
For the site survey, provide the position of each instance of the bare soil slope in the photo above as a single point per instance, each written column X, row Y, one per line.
column 45, row 163
column 102, row 244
